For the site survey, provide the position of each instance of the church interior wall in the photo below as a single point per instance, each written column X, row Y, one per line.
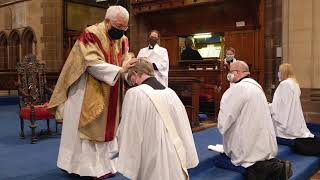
column 301, row 40
column 80, row 16
column 190, row 20
column 301, row 48
column 42, row 18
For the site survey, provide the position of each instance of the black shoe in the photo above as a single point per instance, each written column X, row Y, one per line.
column 287, row 169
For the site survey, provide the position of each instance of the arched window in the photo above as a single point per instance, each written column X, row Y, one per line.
column 14, row 49
column 3, row 51
column 28, row 41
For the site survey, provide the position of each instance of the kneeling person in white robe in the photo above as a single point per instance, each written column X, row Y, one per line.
column 154, row 136
column 287, row 114
column 246, row 126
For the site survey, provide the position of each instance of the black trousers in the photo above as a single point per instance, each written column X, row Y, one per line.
column 307, row 146
column 272, row 169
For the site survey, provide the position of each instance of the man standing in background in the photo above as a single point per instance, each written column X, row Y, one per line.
column 158, row 56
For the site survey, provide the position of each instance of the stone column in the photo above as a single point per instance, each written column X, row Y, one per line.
column 301, row 40
column 52, row 38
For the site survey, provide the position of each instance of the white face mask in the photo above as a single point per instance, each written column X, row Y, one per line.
column 279, row 76
column 230, row 77
column 229, row 58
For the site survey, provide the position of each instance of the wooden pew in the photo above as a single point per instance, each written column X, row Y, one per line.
column 213, row 77
column 187, row 88
column 212, row 83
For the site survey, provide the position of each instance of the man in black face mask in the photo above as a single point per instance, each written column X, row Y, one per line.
column 87, row 95
column 158, row 56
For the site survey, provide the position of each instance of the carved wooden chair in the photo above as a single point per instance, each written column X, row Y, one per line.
column 33, row 94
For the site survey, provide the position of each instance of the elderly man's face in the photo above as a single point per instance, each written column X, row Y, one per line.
column 116, row 27
column 120, row 23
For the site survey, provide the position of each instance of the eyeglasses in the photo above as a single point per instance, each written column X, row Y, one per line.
column 123, row 28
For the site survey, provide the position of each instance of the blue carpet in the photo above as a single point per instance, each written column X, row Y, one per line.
column 21, row 160
column 9, row 100
column 314, row 128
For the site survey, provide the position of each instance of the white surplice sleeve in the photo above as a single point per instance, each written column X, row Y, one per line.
column 230, row 107
column 163, row 63
column 105, row 72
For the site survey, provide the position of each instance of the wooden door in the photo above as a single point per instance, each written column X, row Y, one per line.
column 172, row 46
column 246, row 44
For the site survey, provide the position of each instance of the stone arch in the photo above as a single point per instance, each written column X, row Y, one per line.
column 28, row 41
column 3, row 51
column 14, row 41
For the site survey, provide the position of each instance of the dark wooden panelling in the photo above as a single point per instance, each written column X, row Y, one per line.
column 310, row 102
column 212, row 17
column 189, row 20
column 212, row 82
column 8, row 81
column 244, row 43
column 172, row 46
column 188, row 88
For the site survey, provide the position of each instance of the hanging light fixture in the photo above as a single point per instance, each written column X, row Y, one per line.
column 202, row 35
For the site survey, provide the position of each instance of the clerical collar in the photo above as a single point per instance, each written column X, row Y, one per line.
column 154, row 83
column 152, row 47
column 247, row 76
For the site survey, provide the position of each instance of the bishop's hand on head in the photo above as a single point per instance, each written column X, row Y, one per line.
column 128, row 65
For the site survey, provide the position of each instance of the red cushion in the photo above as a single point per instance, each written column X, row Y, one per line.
column 41, row 112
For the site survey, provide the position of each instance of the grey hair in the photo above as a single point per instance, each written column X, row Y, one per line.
column 143, row 66
column 241, row 65
column 115, row 11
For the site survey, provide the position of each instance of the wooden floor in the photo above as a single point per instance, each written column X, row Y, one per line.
column 316, row 176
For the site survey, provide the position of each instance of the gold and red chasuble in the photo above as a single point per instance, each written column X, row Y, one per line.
column 100, row 109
